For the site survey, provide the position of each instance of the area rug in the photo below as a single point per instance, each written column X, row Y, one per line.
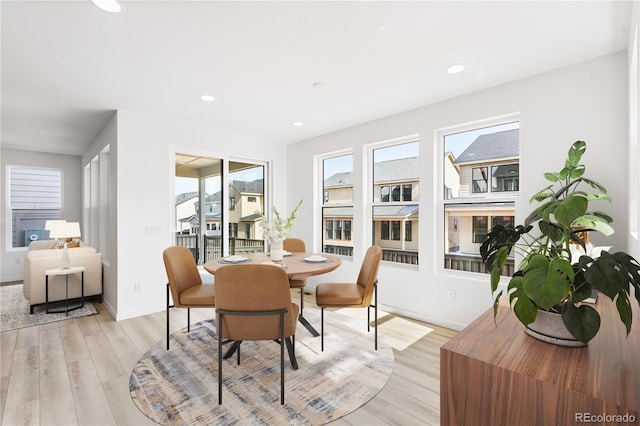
column 14, row 310
column 180, row 386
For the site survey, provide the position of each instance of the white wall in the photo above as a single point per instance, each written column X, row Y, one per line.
column 12, row 259
column 634, row 131
column 145, row 195
column 586, row 101
column 108, row 136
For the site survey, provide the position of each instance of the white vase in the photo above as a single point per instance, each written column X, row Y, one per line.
column 550, row 328
column 276, row 251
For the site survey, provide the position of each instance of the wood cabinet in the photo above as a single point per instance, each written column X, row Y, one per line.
column 498, row 375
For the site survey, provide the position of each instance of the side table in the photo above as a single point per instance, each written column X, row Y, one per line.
column 66, row 272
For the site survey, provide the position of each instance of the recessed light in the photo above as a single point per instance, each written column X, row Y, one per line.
column 108, row 5
column 298, row 124
column 455, row 69
column 207, row 98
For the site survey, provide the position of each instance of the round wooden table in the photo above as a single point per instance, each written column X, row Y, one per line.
column 295, row 266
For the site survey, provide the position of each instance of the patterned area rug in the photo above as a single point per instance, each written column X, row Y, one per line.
column 180, row 386
column 14, row 310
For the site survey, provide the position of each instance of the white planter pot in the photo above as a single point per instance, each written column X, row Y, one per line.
column 276, row 251
column 549, row 328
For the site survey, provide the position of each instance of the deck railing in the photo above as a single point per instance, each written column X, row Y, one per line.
column 213, row 246
column 473, row 263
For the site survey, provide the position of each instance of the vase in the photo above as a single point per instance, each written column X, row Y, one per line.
column 276, row 250
column 550, row 328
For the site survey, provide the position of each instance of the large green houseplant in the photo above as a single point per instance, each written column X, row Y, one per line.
column 547, row 278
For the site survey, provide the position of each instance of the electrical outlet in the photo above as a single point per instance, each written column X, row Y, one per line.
column 18, row 260
column 451, row 295
column 137, row 287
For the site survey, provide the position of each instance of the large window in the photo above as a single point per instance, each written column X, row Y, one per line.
column 337, row 204
column 480, row 178
column 202, row 206
column 35, row 196
column 395, row 189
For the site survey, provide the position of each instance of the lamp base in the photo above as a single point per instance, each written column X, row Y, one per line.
column 65, row 257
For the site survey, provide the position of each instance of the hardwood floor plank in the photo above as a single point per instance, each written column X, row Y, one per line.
column 24, row 383
column 92, row 405
column 7, row 348
column 124, row 410
column 54, row 379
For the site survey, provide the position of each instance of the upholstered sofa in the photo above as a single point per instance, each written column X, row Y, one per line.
column 42, row 256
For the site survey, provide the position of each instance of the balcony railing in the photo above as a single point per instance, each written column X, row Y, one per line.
column 213, row 246
column 473, row 263
column 389, row 255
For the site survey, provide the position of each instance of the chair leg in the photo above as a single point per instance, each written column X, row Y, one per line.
column 168, row 316
column 282, row 359
column 291, row 348
column 322, row 329
column 188, row 320
column 375, row 295
column 238, row 349
column 301, row 300
column 219, row 331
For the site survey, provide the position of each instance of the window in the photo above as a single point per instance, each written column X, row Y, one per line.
column 480, row 228
column 251, row 199
column 480, row 178
column 337, row 204
column 35, row 196
column 395, row 184
column 505, row 178
column 232, row 203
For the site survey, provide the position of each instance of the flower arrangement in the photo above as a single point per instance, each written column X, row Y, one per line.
column 278, row 229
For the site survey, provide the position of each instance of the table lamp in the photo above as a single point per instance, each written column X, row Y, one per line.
column 49, row 224
column 65, row 230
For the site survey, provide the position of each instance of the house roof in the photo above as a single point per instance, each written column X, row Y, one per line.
column 339, row 179
column 394, row 211
column 492, row 146
column 253, row 187
column 185, row 196
column 396, row 170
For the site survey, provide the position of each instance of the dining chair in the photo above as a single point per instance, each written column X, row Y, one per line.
column 296, row 245
column 353, row 295
column 253, row 302
column 185, row 284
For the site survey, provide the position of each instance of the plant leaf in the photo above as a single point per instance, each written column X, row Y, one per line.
column 594, row 185
column 605, row 275
column 523, row 308
column 631, row 268
column 575, row 153
column 583, row 322
column 577, row 172
column 570, row 208
column 624, row 310
column 547, row 282
column 496, row 304
column 595, row 223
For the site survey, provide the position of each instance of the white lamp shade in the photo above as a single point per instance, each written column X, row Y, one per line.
column 49, row 224
column 65, row 230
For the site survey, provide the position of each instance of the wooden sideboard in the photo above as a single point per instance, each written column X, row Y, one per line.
column 498, row 375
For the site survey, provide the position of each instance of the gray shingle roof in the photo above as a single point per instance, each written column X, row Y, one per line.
column 395, row 211
column 396, row 170
column 339, row 179
column 253, row 187
column 492, row 146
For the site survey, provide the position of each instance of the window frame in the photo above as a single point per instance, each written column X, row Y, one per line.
column 370, row 204
column 439, row 242
column 10, row 209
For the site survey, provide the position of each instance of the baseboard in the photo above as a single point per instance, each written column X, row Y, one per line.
column 424, row 318
column 133, row 314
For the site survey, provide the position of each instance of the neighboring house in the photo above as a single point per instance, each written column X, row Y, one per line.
column 395, row 226
column 245, row 206
column 488, row 172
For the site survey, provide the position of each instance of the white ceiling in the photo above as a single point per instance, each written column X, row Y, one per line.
column 66, row 65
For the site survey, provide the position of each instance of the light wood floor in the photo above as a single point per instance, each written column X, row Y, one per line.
column 77, row 371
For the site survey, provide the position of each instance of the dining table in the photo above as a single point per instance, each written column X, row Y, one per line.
column 298, row 265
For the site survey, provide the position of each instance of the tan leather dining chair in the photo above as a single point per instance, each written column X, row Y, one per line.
column 353, row 295
column 253, row 302
column 185, row 283
column 296, row 245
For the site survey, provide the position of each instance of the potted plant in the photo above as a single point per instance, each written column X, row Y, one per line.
column 278, row 229
column 552, row 277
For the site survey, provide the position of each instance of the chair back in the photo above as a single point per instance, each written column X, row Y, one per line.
column 368, row 275
column 251, row 288
column 182, row 271
column 294, row 245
